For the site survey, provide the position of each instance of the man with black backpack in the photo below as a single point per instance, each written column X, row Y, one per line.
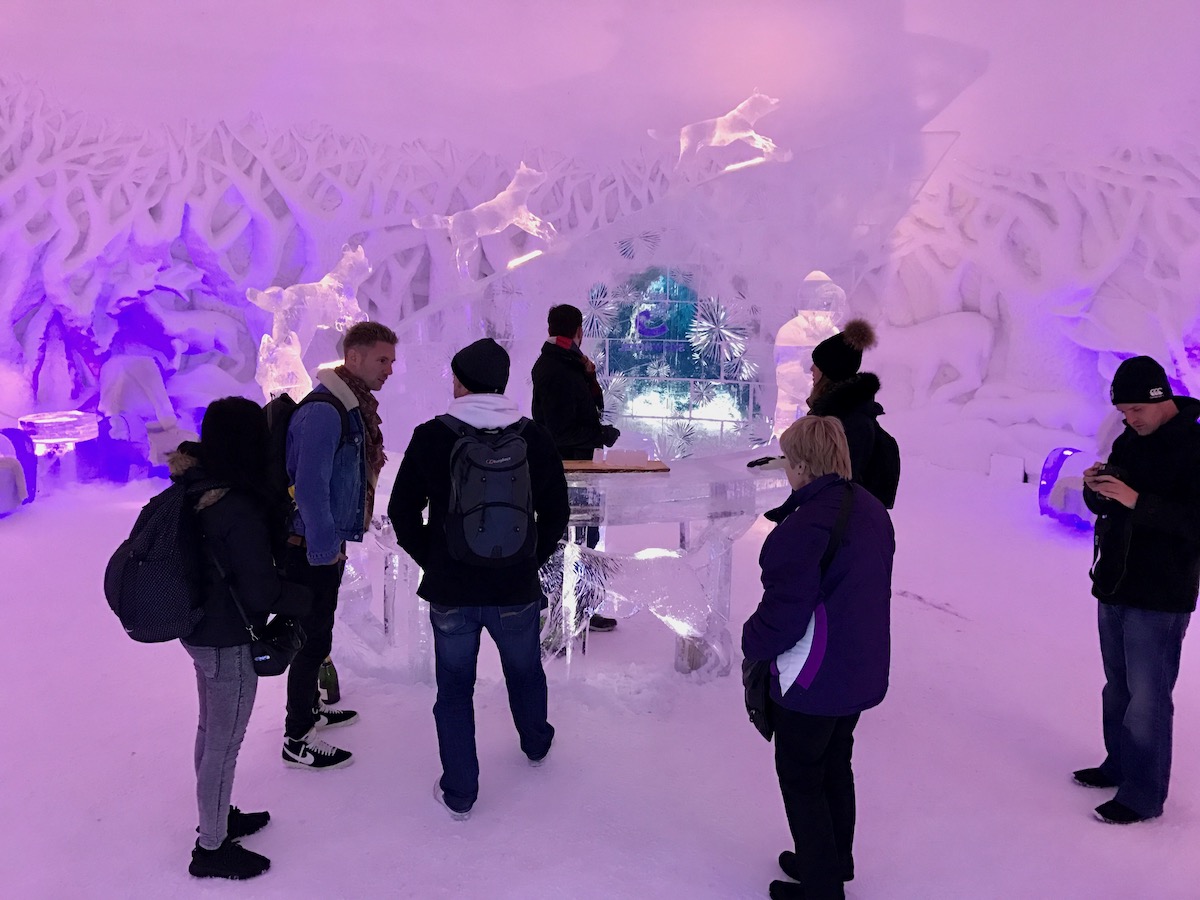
column 497, row 499
column 333, row 454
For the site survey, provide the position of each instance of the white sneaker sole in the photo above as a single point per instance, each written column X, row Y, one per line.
column 441, row 800
column 296, row 764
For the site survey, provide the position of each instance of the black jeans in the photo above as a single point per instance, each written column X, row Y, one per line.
column 812, row 759
column 302, row 692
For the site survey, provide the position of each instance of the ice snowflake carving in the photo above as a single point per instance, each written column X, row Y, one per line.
column 715, row 335
column 702, row 392
column 600, row 312
column 647, row 241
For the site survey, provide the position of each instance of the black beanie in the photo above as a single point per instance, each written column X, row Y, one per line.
column 840, row 356
column 1140, row 380
column 481, row 367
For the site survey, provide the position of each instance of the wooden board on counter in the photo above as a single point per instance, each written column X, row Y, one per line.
column 586, row 465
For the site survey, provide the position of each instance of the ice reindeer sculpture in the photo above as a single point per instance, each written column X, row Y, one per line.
column 736, row 125
column 509, row 207
column 298, row 312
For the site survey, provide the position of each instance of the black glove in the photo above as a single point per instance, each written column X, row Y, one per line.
column 609, row 435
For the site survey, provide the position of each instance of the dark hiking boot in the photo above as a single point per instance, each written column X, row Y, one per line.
column 230, row 860
column 1093, row 778
column 602, row 623
column 1114, row 813
column 790, row 866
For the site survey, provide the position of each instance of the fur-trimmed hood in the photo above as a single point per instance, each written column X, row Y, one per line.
column 854, row 395
column 184, row 466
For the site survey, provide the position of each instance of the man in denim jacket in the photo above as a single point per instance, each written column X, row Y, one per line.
column 334, row 457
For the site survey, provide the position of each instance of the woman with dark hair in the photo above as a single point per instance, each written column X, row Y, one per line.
column 224, row 475
column 842, row 391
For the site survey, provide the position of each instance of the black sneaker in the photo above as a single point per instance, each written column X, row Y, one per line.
column 1114, row 813
column 1093, row 778
column 230, row 860
column 243, row 824
column 786, row 890
column 309, row 753
column 602, row 623
column 328, row 717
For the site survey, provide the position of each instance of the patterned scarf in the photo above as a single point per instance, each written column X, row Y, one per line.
column 369, row 407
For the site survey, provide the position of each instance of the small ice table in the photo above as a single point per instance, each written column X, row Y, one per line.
column 714, row 499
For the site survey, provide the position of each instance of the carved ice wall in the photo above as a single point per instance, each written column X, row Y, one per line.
column 1017, row 290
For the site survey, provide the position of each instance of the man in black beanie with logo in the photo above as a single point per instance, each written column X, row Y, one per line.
column 1146, row 575
column 497, row 499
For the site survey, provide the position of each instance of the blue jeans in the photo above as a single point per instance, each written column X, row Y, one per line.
column 456, row 631
column 227, row 684
column 1141, row 650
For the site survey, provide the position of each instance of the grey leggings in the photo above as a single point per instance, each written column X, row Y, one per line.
column 227, row 684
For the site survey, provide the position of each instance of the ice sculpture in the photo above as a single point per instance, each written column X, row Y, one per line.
column 822, row 309
column 133, row 395
column 298, row 311
column 736, row 125
column 959, row 342
column 509, row 207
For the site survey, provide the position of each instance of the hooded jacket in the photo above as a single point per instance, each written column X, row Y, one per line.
column 852, row 402
column 424, row 481
column 829, row 637
column 1148, row 557
column 234, row 529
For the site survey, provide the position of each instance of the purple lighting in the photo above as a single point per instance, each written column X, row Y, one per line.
column 1047, row 506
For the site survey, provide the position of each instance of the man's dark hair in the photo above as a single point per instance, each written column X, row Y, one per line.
column 564, row 320
column 364, row 334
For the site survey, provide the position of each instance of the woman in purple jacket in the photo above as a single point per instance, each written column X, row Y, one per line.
column 827, row 631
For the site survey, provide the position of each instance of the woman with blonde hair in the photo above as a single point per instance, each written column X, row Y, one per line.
column 824, row 622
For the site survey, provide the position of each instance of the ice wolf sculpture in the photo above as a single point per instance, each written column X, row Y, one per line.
column 509, row 207
column 735, row 125
column 298, row 312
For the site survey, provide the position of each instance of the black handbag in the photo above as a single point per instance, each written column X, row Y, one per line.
column 756, row 673
column 276, row 644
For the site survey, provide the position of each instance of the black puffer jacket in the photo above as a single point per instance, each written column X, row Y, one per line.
column 564, row 404
column 852, row 402
column 1148, row 557
column 234, row 528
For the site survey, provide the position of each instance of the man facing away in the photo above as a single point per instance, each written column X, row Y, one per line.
column 334, row 457
column 477, row 575
column 568, row 401
column 1145, row 574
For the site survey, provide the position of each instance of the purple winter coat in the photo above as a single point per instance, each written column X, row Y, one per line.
column 830, row 638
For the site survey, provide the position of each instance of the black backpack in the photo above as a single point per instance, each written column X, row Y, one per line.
column 279, row 418
column 881, row 474
column 152, row 581
column 490, row 522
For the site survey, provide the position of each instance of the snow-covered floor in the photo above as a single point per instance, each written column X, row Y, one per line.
column 657, row 786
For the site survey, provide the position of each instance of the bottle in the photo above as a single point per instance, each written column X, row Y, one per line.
column 327, row 681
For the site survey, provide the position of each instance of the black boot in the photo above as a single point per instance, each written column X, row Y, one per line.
column 242, row 824
column 230, row 860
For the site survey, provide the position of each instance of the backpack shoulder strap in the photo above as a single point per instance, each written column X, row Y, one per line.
column 458, row 426
column 839, row 527
column 328, row 397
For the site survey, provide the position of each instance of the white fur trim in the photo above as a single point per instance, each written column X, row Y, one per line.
column 328, row 377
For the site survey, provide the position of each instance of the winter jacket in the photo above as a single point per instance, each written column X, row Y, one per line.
column 234, row 529
column 564, row 403
column 829, row 637
column 1148, row 557
column 852, row 402
column 329, row 472
column 424, row 481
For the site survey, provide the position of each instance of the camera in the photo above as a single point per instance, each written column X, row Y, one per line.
column 1111, row 471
